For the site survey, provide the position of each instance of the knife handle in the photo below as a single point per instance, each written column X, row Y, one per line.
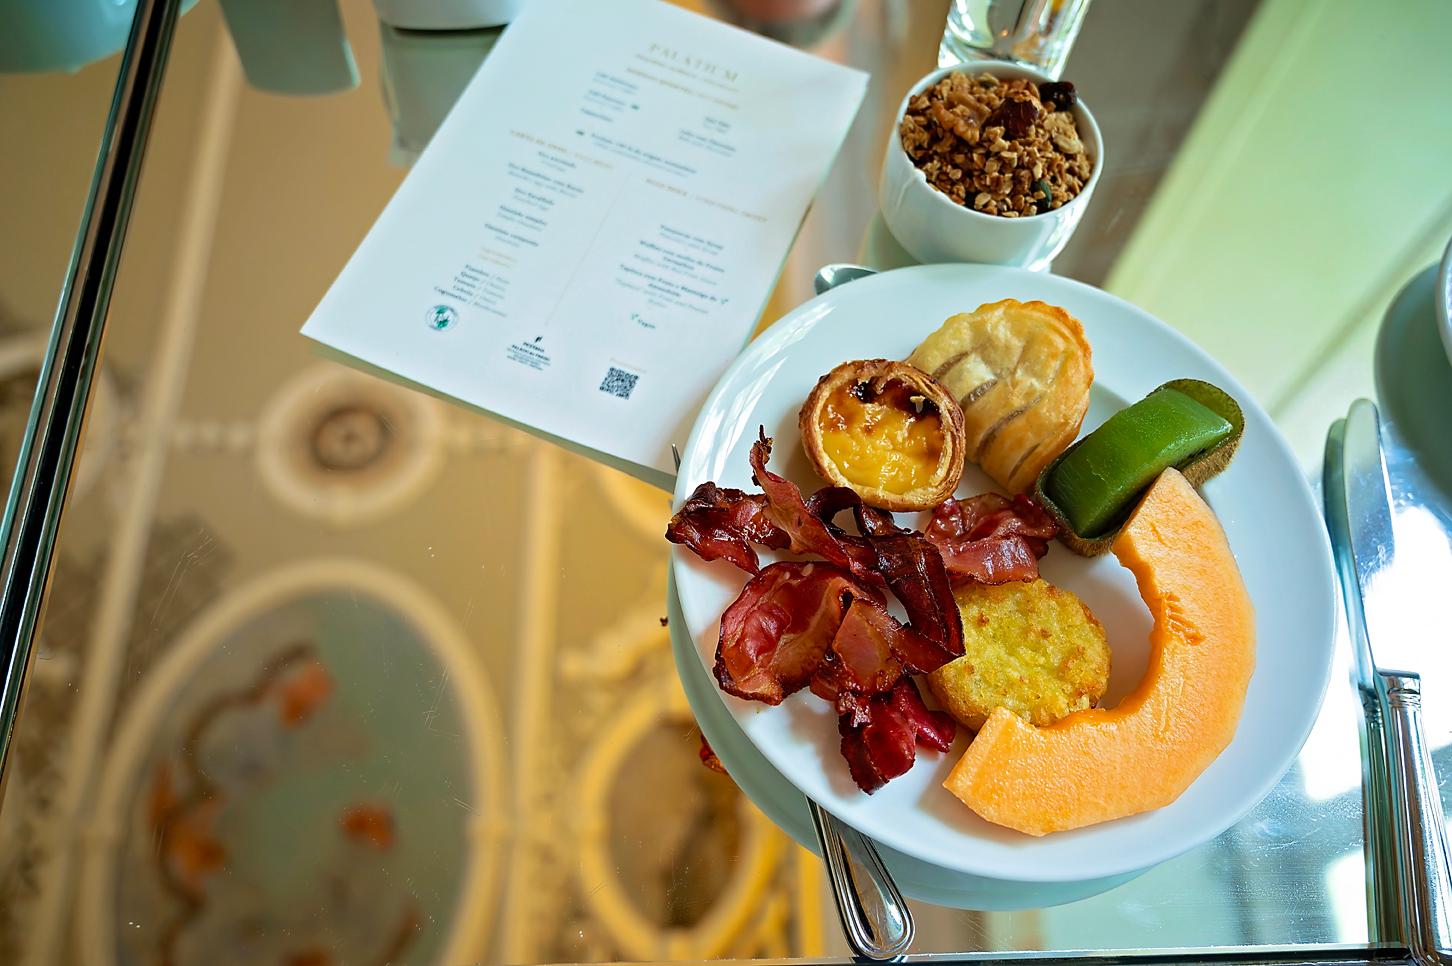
column 1378, row 826
column 1421, row 828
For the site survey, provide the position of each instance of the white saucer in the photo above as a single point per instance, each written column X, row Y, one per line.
column 1414, row 386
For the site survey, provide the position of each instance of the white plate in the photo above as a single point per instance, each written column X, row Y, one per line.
column 1263, row 502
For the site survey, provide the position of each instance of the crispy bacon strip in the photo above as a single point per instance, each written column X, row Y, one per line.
column 855, row 707
column 916, row 574
column 788, row 510
column 708, row 756
column 990, row 539
column 994, row 561
column 934, row 729
column 829, row 501
column 718, row 523
column 880, row 735
column 826, row 623
column 775, row 635
column 862, row 658
column 874, row 522
column 913, row 570
column 990, row 515
column 881, row 749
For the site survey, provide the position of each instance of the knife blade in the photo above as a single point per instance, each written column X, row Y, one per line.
column 1372, row 538
column 1357, row 487
column 1384, row 897
column 1333, row 480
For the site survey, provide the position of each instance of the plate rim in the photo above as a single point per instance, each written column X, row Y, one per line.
column 782, row 330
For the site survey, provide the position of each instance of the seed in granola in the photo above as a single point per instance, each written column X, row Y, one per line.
column 1045, row 194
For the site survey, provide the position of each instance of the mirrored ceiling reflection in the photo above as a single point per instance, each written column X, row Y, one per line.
column 51, row 124
column 354, row 763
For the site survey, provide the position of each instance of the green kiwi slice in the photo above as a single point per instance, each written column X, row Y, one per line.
column 1093, row 485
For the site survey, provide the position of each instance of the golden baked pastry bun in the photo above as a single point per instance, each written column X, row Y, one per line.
column 1021, row 373
column 886, row 430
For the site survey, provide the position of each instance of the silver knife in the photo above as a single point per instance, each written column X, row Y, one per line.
column 1383, row 878
column 1360, row 516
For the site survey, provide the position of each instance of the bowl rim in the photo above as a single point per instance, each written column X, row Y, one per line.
column 1082, row 114
column 1443, row 299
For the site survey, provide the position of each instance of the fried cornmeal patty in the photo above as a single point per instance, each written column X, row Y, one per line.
column 1030, row 647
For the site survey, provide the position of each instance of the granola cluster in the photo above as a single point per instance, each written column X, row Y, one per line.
column 1002, row 147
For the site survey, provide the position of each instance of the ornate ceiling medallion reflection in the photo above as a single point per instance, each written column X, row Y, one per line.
column 346, row 447
column 636, row 847
column 350, row 439
column 264, row 800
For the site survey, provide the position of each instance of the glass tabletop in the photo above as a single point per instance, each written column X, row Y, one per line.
column 330, row 670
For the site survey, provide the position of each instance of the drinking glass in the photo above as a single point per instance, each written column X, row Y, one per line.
column 1035, row 33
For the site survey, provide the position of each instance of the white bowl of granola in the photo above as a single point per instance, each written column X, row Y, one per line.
column 989, row 162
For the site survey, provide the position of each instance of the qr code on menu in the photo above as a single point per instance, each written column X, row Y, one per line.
column 619, row 383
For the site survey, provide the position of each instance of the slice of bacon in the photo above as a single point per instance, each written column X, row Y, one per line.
column 718, row 523
column 880, row 735
column 708, row 756
column 916, row 574
column 788, row 510
column 993, row 561
column 991, row 515
column 855, row 707
column 862, row 658
column 1021, row 517
column 775, row 635
column 934, row 729
column 876, row 523
column 829, row 501
column 879, row 750
column 913, row 570
column 990, row 539
column 826, row 624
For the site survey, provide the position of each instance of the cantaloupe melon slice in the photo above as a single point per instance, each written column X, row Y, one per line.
column 1102, row 764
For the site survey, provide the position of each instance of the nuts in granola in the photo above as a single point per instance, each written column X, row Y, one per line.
column 1002, row 147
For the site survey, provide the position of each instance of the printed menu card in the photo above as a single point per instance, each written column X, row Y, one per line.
column 591, row 235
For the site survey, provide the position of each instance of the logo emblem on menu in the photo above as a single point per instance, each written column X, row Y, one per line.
column 441, row 317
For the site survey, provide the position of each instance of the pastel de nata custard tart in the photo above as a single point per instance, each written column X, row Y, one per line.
column 1021, row 372
column 886, row 430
